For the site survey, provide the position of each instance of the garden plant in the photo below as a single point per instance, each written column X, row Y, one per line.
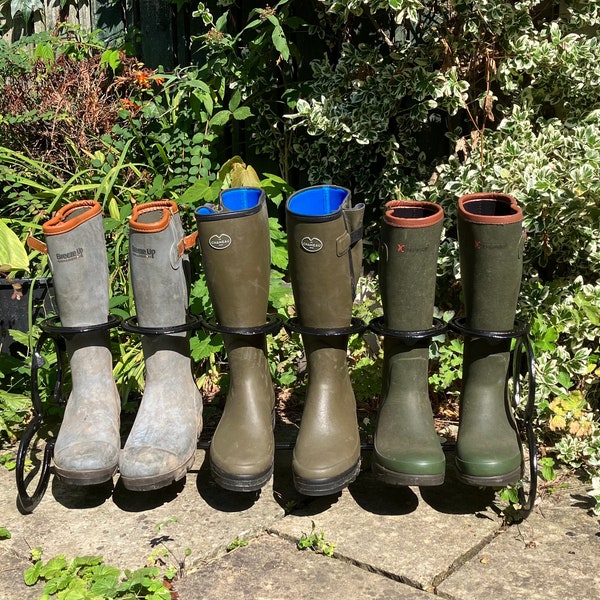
column 393, row 99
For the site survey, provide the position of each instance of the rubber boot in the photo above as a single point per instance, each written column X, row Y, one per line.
column 161, row 445
column 235, row 244
column 325, row 253
column 491, row 240
column 88, row 443
column 407, row 449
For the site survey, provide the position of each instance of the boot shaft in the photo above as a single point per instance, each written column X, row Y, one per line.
column 410, row 239
column 158, row 264
column 325, row 254
column 234, row 240
column 491, row 243
column 77, row 254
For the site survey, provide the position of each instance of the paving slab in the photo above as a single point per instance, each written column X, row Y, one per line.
column 416, row 536
column 124, row 527
column 271, row 568
column 553, row 555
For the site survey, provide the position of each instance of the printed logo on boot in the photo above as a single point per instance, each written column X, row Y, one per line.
column 311, row 244
column 67, row 256
column 143, row 252
column 219, row 241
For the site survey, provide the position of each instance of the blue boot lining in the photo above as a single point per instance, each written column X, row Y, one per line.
column 317, row 201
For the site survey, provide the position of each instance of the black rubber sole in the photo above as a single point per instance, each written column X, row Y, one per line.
column 327, row 486
column 406, row 479
column 241, row 483
column 495, row 481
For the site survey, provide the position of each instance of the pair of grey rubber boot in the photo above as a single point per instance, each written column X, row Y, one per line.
column 407, row 449
column 162, row 443
column 325, row 248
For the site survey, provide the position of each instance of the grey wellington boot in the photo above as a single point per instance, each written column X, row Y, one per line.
column 407, row 448
column 235, row 244
column 491, row 239
column 88, row 443
column 325, row 255
column 161, row 445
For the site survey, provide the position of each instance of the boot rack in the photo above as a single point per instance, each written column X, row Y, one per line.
column 522, row 360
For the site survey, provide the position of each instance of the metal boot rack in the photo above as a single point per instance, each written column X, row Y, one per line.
column 523, row 371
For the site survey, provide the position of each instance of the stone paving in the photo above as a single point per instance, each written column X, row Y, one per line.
column 397, row 543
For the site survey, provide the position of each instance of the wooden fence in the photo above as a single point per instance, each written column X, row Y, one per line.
column 161, row 31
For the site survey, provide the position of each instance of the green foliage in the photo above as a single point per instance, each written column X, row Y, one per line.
column 5, row 533
column 87, row 577
column 237, row 543
column 316, row 542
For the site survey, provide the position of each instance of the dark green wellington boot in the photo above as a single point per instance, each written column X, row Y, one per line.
column 407, row 448
column 491, row 239
column 88, row 443
column 235, row 244
column 161, row 445
column 325, row 254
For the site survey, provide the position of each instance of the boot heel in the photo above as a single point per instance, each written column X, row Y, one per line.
column 405, row 479
column 326, row 486
column 241, row 483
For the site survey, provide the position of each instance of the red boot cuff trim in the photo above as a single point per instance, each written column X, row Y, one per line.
column 489, row 208
column 412, row 214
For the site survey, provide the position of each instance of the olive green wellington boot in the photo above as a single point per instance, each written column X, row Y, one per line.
column 88, row 443
column 325, row 256
column 235, row 244
column 161, row 445
column 491, row 240
column 407, row 449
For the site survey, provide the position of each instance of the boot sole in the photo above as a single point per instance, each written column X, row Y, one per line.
column 85, row 478
column 147, row 484
column 406, row 479
column 240, row 483
column 493, row 481
column 327, row 486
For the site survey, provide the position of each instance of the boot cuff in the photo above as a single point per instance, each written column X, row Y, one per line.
column 412, row 214
column 71, row 216
column 319, row 202
column 489, row 208
column 163, row 211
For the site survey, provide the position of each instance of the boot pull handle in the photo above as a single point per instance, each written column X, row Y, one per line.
column 36, row 244
column 187, row 243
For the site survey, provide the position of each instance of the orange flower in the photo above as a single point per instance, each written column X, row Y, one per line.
column 141, row 78
column 129, row 105
column 158, row 80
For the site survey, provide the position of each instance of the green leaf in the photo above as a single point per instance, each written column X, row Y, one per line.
column 13, row 256
column 32, row 574
column 241, row 113
column 5, row 533
column 280, row 42
column 220, row 118
column 25, row 7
